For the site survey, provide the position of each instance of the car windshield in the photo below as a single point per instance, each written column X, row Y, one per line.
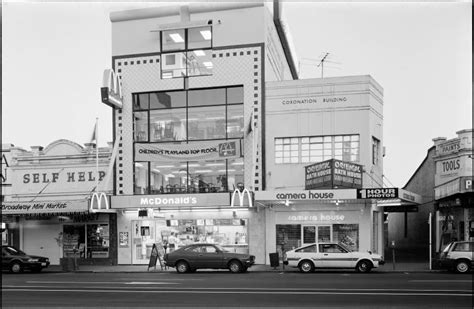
column 12, row 250
column 448, row 247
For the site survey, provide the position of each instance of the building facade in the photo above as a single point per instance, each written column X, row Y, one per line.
column 191, row 124
column 48, row 211
column 444, row 180
column 339, row 119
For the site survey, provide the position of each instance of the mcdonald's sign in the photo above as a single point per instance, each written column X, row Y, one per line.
column 99, row 201
column 111, row 91
column 241, row 196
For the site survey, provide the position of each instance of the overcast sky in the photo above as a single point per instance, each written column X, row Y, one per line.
column 421, row 53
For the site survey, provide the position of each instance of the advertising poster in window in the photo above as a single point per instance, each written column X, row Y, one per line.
column 347, row 234
column 123, row 239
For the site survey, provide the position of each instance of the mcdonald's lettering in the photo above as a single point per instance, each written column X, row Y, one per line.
column 241, row 196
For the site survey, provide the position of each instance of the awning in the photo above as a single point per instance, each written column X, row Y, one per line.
column 44, row 207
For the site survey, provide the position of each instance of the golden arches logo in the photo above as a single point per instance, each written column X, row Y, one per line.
column 241, row 197
column 98, row 200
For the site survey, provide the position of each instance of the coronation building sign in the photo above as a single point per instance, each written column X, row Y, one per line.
column 313, row 100
column 188, row 152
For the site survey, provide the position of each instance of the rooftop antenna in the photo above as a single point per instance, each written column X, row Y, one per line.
column 321, row 63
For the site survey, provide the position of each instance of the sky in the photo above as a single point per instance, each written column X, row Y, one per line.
column 54, row 54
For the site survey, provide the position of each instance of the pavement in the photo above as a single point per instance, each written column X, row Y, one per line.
column 388, row 267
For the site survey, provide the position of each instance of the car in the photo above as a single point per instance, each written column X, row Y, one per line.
column 331, row 255
column 16, row 260
column 203, row 255
column 457, row 256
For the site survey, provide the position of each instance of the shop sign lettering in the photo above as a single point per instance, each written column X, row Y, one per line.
column 167, row 201
column 468, row 184
column 450, row 166
column 62, row 177
column 319, row 217
column 380, row 193
column 448, row 147
column 304, row 196
column 299, row 101
column 42, row 207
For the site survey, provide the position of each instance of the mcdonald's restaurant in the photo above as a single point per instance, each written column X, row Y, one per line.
column 173, row 221
column 48, row 212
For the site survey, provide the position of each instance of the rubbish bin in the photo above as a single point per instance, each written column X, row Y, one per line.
column 274, row 260
column 67, row 264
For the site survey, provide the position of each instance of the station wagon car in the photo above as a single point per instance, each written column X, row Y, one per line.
column 458, row 257
column 331, row 255
column 195, row 256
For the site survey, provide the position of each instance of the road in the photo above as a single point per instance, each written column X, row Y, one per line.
column 223, row 289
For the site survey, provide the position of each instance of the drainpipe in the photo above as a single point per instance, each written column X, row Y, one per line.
column 429, row 222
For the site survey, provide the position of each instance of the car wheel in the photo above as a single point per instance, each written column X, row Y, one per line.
column 306, row 267
column 16, row 267
column 363, row 267
column 235, row 267
column 462, row 267
column 182, row 267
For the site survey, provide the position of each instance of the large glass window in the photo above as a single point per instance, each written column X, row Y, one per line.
column 200, row 114
column 86, row 240
column 186, row 52
column 317, row 148
column 141, row 178
column 168, row 125
column 207, row 123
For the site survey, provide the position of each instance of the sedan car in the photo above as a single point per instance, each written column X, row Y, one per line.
column 458, row 257
column 16, row 260
column 195, row 256
column 331, row 255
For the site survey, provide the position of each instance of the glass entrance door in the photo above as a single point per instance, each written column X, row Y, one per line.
column 316, row 233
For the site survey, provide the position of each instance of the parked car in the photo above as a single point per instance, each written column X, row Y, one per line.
column 195, row 256
column 331, row 255
column 457, row 256
column 16, row 260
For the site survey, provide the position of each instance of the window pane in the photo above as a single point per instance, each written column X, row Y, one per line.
column 327, row 139
column 141, row 178
column 173, row 65
column 98, row 240
column 338, row 138
column 235, row 173
column 305, row 140
column 235, row 95
column 168, row 125
column 278, row 160
column 200, row 37
column 140, row 122
column 347, row 138
column 206, row 122
column 206, row 97
column 208, row 176
column 355, row 137
column 278, row 147
column 278, row 141
column 235, row 121
column 167, row 177
column 278, row 154
column 140, row 101
column 173, row 40
column 294, row 160
column 169, row 99
column 199, row 62
column 316, row 139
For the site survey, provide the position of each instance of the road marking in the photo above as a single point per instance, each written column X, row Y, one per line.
column 148, row 283
column 240, row 292
column 288, row 289
column 107, row 282
column 440, row 280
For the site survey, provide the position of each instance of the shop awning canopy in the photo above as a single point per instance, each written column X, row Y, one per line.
column 44, row 207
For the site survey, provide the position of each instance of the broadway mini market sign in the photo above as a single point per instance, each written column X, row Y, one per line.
column 212, row 150
column 43, row 207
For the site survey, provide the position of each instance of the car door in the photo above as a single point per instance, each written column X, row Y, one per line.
column 334, row 256
column 207, row 256
column 6, row 258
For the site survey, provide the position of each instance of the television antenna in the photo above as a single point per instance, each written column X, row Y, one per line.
column 320, row 62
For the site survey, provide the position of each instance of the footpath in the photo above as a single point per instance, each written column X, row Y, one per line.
column 387, row 268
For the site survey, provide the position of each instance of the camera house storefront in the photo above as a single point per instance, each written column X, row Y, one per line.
column 60, row 229
column 296, row 218
column 174, row 221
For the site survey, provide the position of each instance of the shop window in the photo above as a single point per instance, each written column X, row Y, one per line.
column 200, row 37
column 141, row 101
column 347, row 234
column 235, row 95
column 235, row 121
column 173, row 40
column 168, row 99
column 286, row 150
column 86, row 241
column 288, row 236
column 98, row 241
column 205, row 97
column 73, row 239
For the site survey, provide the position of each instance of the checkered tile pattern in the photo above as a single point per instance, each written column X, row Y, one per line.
column 239, row 66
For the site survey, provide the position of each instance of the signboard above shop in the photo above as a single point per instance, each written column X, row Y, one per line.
column 44, row 207
column 309, row 195
column 192, row 151
column 333, row 174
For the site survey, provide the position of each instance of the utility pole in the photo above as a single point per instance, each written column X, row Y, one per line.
column 321, row 63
